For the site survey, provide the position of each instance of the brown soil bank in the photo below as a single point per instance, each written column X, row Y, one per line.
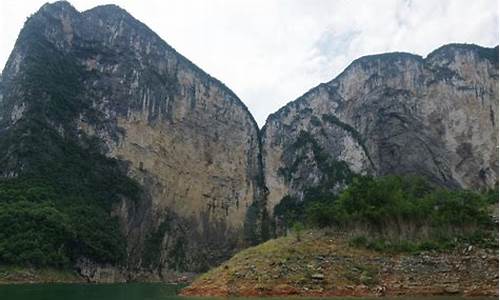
column 320, row 265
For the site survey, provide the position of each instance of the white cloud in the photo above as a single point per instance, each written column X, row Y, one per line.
column 270, row 52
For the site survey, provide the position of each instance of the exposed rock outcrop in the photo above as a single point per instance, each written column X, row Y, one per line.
column 394, row 113
column 94, row 272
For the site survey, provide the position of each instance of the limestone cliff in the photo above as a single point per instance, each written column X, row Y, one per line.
column 131, row 141
column 394, row 113
column 187, row 139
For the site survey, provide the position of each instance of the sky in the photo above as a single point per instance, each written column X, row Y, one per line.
column 270, row 52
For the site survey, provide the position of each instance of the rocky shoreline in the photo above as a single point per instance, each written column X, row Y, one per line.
column 22, row 275
column 319, row 266
column 91, row 273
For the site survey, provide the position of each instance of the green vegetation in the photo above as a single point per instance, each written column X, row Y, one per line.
column 58, row 187
column 35, row 233
column 484, row 240
column 297, row 229
column 491, row 195
column 398, row 214
column 362, row 274
column 257, row 224
column 334, row 172
column 41, row 226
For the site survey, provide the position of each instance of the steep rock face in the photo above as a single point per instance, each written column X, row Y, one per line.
column 185, row 137
column 100, row 85
column 393, row 113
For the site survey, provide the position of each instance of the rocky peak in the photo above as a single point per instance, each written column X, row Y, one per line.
column 395, row 61
column 450, row 52
column 57, row 8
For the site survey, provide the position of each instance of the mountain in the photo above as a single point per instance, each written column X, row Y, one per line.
column 388, row 114
column 123, row 160
column 394, row 113
column 97, row 106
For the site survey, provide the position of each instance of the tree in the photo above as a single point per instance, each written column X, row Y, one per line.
column 297, row 229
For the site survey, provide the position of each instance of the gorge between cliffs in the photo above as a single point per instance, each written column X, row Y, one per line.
column 121, row 160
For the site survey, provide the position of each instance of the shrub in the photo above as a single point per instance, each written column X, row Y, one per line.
column 34, row 233
column 297, row 229
column 398, row 214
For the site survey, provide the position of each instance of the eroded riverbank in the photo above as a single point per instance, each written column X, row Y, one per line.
column 321, row 266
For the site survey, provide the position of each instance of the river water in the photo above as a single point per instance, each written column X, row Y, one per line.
column 129, row 291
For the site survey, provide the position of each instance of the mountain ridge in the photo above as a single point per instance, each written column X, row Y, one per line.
column 96, row 97
column 394, row 54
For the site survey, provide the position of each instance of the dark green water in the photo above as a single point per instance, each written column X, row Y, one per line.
column 130, row 291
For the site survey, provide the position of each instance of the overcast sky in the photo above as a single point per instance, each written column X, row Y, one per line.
column 270, row 52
